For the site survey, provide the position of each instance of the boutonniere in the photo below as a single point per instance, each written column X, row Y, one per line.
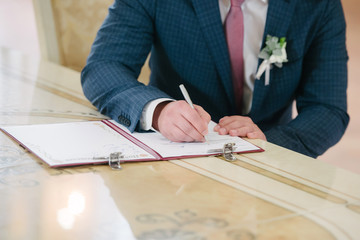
column 273, row 53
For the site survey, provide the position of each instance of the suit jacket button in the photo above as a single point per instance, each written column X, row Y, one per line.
column 121, row 119
column 127, row 122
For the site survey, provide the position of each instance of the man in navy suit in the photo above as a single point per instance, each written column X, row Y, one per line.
column 188, row 46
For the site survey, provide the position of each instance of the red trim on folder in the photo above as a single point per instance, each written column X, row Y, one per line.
column 128, row 136
column 133, row 139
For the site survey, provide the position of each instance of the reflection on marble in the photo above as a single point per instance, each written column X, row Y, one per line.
column 72, row 210
column 36, row 99
column 76, row 205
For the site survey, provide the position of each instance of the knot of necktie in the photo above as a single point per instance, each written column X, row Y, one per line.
column 236, row 3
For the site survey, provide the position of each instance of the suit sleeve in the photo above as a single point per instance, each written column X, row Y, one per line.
column 123, row 42
column 321, row 100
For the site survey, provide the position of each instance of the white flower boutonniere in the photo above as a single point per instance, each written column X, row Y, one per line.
column 273, row 53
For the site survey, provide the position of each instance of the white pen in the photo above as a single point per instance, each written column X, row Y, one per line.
column 186, row 95
column 188, row 99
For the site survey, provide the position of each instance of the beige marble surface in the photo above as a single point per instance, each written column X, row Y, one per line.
column 277, row 194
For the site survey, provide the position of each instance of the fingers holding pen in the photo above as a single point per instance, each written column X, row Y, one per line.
column 205, row 117
column 194, row 122
column 178, row 122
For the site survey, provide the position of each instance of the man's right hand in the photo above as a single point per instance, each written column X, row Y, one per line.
column 178, row 122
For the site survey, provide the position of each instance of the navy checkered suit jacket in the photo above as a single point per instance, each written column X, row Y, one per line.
column 187, row 45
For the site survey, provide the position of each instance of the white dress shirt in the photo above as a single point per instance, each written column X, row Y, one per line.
column 254, row 12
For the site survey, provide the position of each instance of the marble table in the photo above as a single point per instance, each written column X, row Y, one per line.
column 276, row 194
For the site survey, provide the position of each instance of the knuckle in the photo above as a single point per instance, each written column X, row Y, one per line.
column 182, row 104
column 199, row 107
column 208, row 117
column 248, row 119
column 203, row 127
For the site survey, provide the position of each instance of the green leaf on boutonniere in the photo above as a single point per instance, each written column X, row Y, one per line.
column 274, row 47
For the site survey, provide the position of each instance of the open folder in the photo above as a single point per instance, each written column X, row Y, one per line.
column 92, row 142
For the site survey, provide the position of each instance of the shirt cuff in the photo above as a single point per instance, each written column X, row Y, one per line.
column 148, row 112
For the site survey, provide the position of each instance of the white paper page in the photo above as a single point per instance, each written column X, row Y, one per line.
column 167, row 148
column 76, row 142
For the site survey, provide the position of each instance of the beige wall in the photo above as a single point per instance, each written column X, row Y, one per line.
column 17, row 26
column 77, row 23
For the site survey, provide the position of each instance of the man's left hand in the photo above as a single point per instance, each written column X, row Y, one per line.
column 239, row 126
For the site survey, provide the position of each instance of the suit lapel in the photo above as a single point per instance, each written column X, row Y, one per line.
column 277, row 23
column 278, row 18
column 210, row 22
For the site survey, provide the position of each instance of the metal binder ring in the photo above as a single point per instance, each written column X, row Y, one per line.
column 228, row 152
column 115, row 160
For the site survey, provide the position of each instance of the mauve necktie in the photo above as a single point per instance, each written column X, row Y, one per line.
column 234, row 31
